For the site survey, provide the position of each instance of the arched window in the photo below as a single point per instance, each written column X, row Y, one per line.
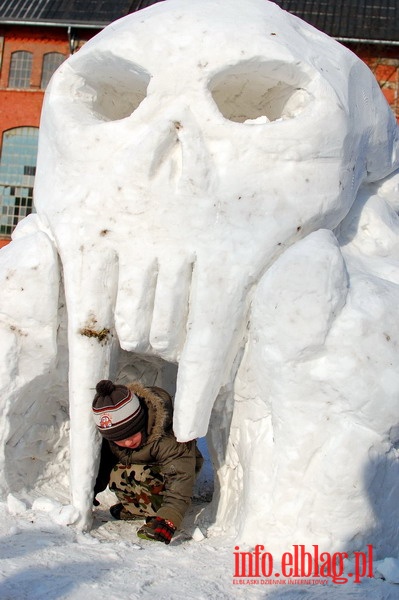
column 17, row 175
column 20, row 69
column 51, row 62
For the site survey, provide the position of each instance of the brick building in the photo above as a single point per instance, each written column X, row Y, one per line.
column 29, row 57
column 37, row 35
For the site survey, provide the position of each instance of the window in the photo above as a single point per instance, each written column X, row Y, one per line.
column 17, row 175
column 20, row 70
column 51, row 62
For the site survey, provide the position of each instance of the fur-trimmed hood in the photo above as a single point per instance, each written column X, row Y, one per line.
column 159, row 407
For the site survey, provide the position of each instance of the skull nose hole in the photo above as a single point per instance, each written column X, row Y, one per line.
column 260, row 92
column 112, row 88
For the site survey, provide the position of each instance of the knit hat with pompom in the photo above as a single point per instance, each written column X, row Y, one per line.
column 117, row 412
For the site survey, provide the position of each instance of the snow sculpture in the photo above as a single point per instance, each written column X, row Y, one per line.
column 211, row 178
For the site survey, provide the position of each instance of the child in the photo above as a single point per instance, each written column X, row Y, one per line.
column 151, row 473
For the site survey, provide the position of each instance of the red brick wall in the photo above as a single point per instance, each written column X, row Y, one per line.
column 22, row 107
column 384, row 63
column 35, row 40
column 19, row 108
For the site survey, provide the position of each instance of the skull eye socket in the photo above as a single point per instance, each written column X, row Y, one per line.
column 260, row 92
column 110, row 88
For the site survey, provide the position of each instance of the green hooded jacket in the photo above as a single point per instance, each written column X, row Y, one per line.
column 179, row 462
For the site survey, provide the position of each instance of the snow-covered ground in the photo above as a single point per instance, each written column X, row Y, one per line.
column 43, row 559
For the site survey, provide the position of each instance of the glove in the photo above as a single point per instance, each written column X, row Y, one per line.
column 157, row 530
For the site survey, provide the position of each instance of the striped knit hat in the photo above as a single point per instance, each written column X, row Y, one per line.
column 117, row 412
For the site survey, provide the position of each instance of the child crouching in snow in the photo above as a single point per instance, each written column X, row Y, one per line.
column 151, row 473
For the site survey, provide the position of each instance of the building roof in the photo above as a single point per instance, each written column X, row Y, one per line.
column 350, row 20
column 79, row 13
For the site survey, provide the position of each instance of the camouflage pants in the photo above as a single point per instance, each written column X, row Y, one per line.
column 138, row 487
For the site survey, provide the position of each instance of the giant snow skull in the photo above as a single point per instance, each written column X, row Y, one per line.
column 188, row 145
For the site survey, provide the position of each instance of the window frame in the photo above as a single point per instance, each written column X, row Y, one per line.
column 20, row 71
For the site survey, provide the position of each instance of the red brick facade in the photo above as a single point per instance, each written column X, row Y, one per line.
column 22, row 107
column 384, row 63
